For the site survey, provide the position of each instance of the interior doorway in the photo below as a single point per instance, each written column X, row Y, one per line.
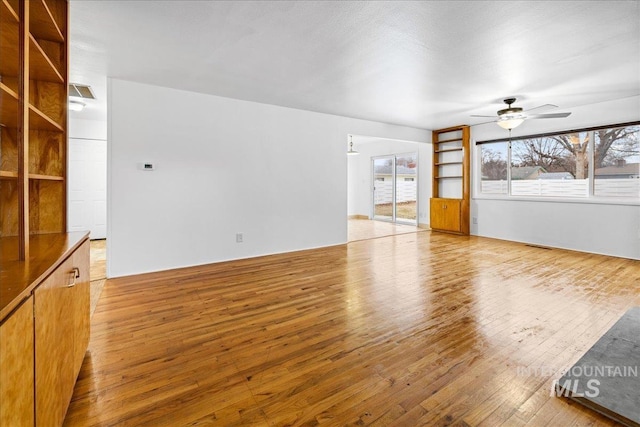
column 87, row 203
column 395, row 188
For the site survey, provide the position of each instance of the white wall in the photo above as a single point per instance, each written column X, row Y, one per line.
column 87, row 189
column 86, row 129
column 612, row 229
column 360, row 194
column 223, row 166
column 87, row 175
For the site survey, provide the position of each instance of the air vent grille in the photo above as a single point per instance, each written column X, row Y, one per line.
column 81, row 91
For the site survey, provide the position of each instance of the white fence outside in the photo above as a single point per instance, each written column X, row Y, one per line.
column 494, row 187
column 624, row 188
column 405, row 192
column 617, row 187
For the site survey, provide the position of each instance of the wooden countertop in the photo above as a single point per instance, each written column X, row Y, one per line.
column 19, row 278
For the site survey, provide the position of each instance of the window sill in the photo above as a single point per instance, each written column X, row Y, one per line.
column 589, row 201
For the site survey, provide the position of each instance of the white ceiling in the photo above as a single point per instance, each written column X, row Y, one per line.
column 426, row 64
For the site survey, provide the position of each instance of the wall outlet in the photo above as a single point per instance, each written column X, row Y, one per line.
column 475, row 220
column 239, row 238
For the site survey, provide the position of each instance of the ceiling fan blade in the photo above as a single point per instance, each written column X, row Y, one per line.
column 476, row 115
column 542, row 107
column 549, row 116
column 483, row 123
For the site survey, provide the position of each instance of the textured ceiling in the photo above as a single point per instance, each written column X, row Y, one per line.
column 425, row 64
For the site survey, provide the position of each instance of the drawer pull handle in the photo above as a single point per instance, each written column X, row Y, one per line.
column 75, row 273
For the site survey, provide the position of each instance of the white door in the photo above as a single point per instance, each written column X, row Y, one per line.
column 87, row 189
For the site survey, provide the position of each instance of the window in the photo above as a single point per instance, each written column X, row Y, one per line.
column 555, row 165
column 617, row 162
column 595, row 162
column 493, row 168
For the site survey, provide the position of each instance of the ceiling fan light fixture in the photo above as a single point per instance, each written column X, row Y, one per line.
column 509, row 123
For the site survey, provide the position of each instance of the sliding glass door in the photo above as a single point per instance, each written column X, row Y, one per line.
column 383, row 188
column 406, row 194
column 395, row 191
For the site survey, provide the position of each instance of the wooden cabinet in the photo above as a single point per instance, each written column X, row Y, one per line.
column 445, row 215
column 33, row 114
column 44, row 340
column 54, row 343
column 450, row 203
column 61, row 335
column 45, row 323
column 82, row 306
column 16, row 367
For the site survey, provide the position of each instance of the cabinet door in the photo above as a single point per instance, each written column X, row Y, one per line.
column 16, row 367
column 445, row 215
column 54, row 344
column 82, row 305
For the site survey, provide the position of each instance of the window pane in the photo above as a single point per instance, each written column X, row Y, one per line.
column 617, row 162
column 551, row 166
column 493, row 168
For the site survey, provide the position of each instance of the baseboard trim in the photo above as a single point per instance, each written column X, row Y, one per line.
column 425, row 226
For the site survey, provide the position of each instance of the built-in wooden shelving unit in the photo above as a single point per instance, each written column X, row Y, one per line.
column 33, row 119
column 44, row 291
column 451, row 196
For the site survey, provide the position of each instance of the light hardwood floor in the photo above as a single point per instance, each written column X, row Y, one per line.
column 98, row 270
column 415, row 329
column 362, row 229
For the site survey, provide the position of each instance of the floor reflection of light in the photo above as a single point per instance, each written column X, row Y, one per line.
column 389, row 290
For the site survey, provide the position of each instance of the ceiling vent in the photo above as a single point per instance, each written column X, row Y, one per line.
column 81, row 91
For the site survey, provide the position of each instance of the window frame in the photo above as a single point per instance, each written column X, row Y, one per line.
column 591, row 198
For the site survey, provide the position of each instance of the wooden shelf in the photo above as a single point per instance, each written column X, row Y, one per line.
column 34, row 84
column 9, row 35
column 9, row 15
column 45, row 177
column 8, row 175
column 8, row 106
column 14, row 175
column 42, row 24
column 448, row 140
column 40, row 121
column 446, row 150
column 450, row 203
column 40, row 66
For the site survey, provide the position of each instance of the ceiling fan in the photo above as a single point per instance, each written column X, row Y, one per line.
column 512, row 117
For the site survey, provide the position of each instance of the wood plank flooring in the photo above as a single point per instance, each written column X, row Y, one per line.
column 363, row 229
column 98, row 270
column 421, row 329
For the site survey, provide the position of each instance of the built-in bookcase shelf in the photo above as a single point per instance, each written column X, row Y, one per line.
column 40, row 121
column 451, row 196
column 41, row 67
column 8, row 175
column 8, row 106
column 33, row 141
column 43, row 23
